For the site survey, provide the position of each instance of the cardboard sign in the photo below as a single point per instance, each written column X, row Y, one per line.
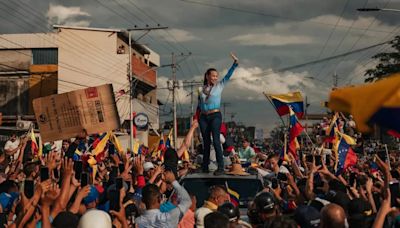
column 65, row 116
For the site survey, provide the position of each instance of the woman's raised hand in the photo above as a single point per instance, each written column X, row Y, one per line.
column 235, row 59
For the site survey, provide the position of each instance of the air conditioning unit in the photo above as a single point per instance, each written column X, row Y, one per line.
column 24, row 124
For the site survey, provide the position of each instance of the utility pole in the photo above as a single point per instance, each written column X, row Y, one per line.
column 305, row 113
column 225, row 104
column 191, row 116
column 174, row 85
column 335, row 80
column 191, row 84
column 130, row 66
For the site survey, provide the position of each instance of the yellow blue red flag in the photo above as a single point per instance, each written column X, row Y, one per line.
column 284, row 102
column 375, row 103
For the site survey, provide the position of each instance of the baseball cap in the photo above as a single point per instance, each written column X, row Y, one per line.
column 147, row 166
column 92, row 196
column 307, row 216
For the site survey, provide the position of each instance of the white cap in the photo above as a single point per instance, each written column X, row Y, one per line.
column 147, row 166
column 95, row 218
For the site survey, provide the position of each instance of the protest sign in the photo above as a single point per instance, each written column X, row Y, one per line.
column 67, row 115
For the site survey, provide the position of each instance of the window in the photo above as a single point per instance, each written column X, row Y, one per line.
column 43, row 56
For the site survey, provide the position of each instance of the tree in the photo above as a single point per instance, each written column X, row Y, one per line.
column 389, row 63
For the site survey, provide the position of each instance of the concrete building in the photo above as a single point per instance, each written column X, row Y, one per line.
column 70, row 58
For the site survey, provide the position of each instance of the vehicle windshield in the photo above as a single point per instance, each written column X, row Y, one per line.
column 247, row 188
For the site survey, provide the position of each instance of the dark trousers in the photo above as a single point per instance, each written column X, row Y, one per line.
column 210, row 126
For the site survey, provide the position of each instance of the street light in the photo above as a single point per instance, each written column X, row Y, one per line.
column 377, row 9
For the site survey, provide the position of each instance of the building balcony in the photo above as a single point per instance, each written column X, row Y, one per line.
column 143, row 72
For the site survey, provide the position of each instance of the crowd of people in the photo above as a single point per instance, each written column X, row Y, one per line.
column 127, row 190
column 90, row 181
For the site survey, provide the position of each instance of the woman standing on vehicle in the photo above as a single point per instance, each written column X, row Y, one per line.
column 210, row 118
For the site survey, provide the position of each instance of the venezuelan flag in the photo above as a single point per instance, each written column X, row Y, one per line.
column 295, row 130
column 101, row 144
column 283, row 156
column 34, row 144
column 114, row 140
column 283, row 102
column 375, row 103
column 161, row 144
column 233, row 196
column 345, row 156
column 169, row 141
column 136, row 147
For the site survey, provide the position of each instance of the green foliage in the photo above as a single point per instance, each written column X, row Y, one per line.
column 389, row 63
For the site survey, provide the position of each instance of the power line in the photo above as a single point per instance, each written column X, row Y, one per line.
column 60, row 64
column 39, row 16
column 246, row 11
column 330, row 34
column 265, row 73
column 48, row 40
column 343, row 38
column 156, row 22
column 364, row 32
column 65, row 43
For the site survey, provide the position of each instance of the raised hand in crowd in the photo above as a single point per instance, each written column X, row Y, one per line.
column 121, row 220
column 82, row 193
column 159, row 170
column 384, row 210
column 138, row 165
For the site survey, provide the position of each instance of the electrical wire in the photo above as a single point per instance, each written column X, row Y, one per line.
column 330, row 35
column 11, row 9
column 246, row 11
column 342, row 40
column 363, row 35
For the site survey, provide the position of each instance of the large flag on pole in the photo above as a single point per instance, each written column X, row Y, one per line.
column 375, row 103
column 282, row 102
column 345, row 156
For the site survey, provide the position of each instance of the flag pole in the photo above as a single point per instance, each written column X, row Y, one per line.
column 305, row 131
column 388, row 158
column 227, row 187
column 266, row 95
column 337, row 153
column 285, row 145
column 313, row 145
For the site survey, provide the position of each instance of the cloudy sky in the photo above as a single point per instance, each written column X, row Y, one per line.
column 266, row 35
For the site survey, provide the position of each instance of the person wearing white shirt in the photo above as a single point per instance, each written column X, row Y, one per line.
column 13, row 146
